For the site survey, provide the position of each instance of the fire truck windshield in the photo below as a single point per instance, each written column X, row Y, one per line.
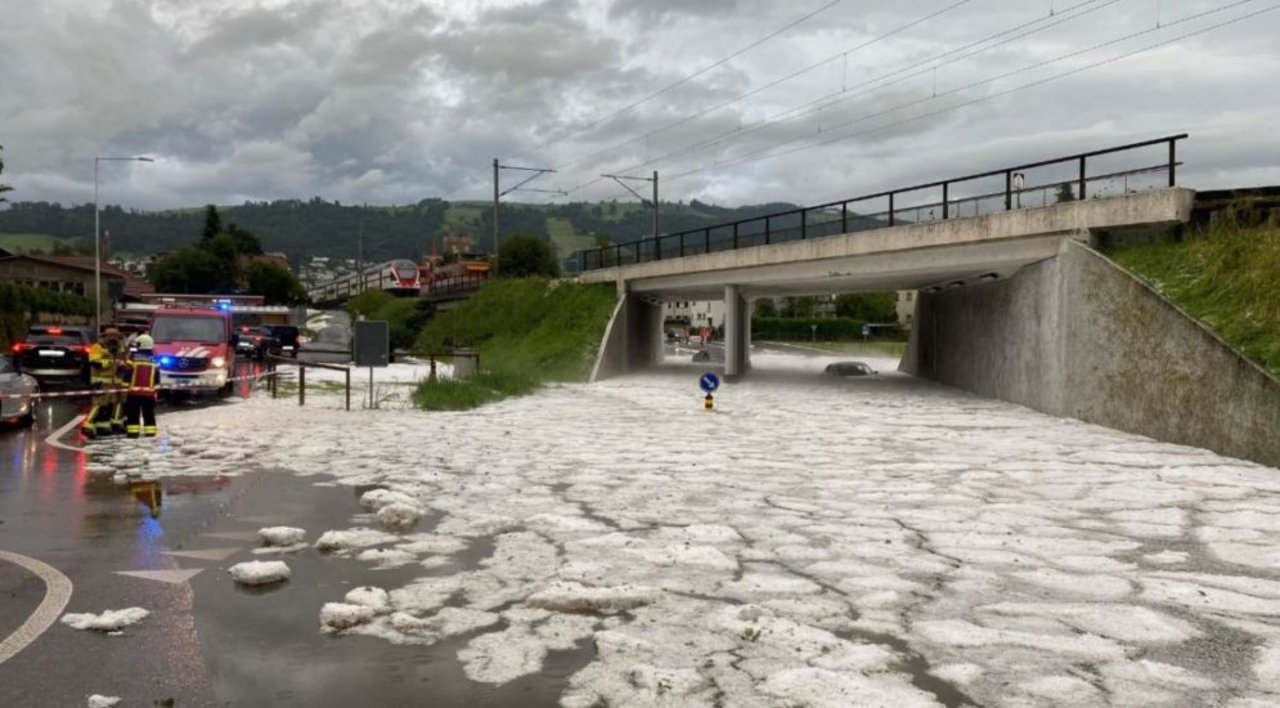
column 188, row 328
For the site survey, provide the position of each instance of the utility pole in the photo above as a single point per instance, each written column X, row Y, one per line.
column 498, row 193
column 652, row 204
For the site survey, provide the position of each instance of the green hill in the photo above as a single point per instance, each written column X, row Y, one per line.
column 28, row 242
column 317, row 227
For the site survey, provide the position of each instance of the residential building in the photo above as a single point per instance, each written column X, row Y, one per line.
column 695, row 314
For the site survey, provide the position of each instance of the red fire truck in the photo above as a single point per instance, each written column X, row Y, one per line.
column 194, row 346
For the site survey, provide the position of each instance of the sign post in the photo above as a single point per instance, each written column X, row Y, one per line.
column 709, row 382
column 371, row 347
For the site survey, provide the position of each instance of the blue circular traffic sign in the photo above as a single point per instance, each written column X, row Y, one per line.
column 709, row 382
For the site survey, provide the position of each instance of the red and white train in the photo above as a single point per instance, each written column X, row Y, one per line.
column 398, row 277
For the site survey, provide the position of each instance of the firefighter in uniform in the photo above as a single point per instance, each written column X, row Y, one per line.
column 140, row 398
column 105, row 415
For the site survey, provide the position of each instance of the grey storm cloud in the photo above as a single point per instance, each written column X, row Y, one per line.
column 393, row 101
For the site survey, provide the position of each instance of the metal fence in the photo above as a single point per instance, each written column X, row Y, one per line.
column 1063, row 179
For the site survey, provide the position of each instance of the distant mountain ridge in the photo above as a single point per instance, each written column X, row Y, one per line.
column 317, row 227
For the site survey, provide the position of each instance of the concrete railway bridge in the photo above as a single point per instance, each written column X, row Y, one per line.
column 1015, row 301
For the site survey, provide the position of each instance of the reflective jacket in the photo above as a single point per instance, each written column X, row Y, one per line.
column 143, row 375
column 102, row 365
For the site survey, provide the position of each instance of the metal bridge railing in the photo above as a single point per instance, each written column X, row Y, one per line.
column 892, row 208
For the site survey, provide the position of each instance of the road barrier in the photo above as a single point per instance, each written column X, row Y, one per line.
column 81, row 393
column 274, row 361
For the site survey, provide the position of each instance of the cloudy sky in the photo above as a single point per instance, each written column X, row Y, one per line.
column 732, row 101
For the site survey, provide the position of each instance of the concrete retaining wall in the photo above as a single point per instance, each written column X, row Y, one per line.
column 1077, row 336
column 632, row 340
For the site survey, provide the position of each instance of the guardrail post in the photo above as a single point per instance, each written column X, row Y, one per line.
column 844, row 218
column 804, row 226
column 891, row 208
column 1008, row 190
column 1173, row 162
column 348, row 374
column 766, row 229
column 1082, row 177
column 946, row 199
column 302, row 385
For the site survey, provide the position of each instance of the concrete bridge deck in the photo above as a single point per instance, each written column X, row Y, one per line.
column 908, row 257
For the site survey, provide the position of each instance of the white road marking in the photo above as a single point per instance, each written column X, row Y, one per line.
column 269, row 519
column 234, row 535
column 53, row 437
column 173, row 577
column 57, row 595
column 211, row 554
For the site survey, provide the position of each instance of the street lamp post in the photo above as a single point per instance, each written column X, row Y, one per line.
column 97, row 240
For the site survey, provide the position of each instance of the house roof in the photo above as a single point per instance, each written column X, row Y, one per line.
column 80, row 263
column 135, row 286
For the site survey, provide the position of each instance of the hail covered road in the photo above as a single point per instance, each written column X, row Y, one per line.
column 814, row 541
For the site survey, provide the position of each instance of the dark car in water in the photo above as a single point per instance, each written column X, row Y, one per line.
column 53, row 353
column 850, row 368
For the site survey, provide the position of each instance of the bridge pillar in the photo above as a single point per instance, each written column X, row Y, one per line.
column 737, row 333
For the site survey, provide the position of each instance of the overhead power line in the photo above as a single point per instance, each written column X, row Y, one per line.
column 883, row 81
column 752, row 157
column 825, row 102
column 680, row 82
column 771, row 84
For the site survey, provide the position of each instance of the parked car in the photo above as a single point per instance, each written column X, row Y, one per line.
column 20, row 410
column 53, row 353
column 287, row 340
column 850, row 368
column 255, row 341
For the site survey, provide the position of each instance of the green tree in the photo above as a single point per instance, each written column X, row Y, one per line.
column 190, row 269
column 524, row 256
column 1064, row 193
column 212, row 223
column 766, row 307
column 3, row 187
column 246, row 243
column 277, row 285
column 801, row 307
column 868, row 307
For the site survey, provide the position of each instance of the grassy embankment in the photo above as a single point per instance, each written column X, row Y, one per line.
column 1227, row 276
column 868, row 349
column 528, row 332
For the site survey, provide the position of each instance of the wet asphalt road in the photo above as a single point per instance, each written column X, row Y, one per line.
column 207, row 642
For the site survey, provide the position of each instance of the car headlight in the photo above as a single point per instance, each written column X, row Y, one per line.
column 218, row 362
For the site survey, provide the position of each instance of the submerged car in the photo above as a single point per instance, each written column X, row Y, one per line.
column 54, row 353
column 850, row 368
column 18, row 404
